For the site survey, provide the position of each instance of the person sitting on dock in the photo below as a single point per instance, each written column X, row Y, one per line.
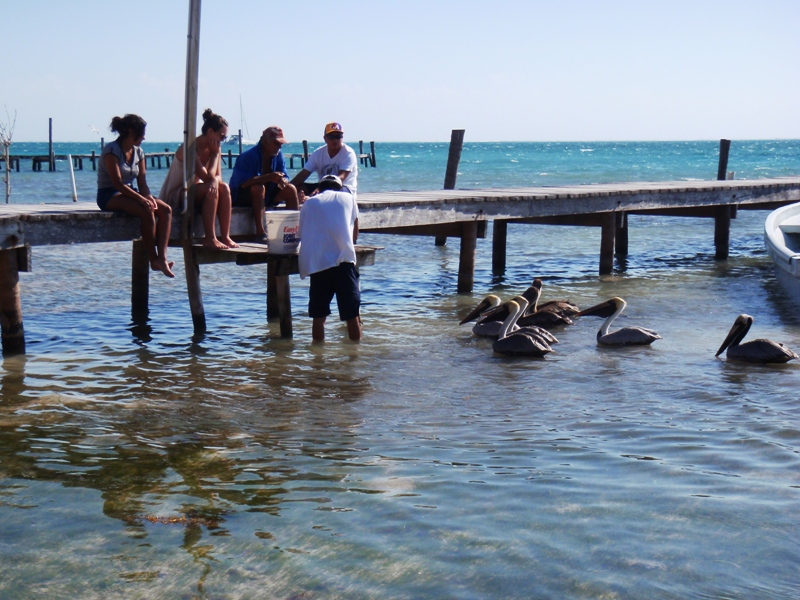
column 212, row 195
column 334, row 158
column 328, row 232
column 121, row 163
column 259, row 178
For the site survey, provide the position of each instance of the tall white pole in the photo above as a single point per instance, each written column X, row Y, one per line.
column 189, row 150
column 190, row 109
column 72, row 176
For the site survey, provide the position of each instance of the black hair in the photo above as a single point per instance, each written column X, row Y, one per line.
column 128, row 124
column 213, row 121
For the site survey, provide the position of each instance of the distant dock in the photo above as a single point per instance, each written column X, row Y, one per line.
column 159, row 160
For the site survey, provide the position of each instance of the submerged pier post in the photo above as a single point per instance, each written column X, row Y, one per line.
column 466, row 260
column 621, row 234
column 607, row 229
column 451, row 172
column 140, row 282
column 13, row 333
column 499, row 241
column 722, row 232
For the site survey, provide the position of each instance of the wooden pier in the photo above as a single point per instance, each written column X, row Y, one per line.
column 440, row 213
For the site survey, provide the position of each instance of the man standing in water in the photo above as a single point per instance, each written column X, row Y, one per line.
column 334, row 158
column 259, row 178
column 328, row 231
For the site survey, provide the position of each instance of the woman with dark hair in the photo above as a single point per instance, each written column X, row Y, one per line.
column 212, row 195
column 121, row 164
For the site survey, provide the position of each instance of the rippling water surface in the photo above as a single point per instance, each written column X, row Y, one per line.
column 139, row 462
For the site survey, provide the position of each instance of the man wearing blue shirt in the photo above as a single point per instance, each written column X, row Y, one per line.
column 259, row 178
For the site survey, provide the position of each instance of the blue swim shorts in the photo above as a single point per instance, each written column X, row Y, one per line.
column 341, row 281
column 104, row 195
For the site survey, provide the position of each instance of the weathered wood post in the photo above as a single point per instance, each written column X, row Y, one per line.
column 451, row 171
column 240, row 141
column 621, row 234
column 305, row 152
column 50, row 153
column 372, row 153
column 466, row 259
column 499, row 244
column 13, row 333
column 140, row 282
column 190, row 148
column 607, row 228
column 722, row 218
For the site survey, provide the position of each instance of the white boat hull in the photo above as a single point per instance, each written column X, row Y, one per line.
column 782, row 240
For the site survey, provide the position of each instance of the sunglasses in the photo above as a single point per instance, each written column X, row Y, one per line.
column 335, row 136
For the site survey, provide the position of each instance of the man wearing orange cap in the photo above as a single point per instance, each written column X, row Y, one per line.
column 334, row 158
column 259, row 178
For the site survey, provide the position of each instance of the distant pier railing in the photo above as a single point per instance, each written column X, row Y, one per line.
column 160, row 160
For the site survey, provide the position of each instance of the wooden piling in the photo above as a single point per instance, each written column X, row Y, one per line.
column 466, row 260
column 724, row 150
column 372, row 153
column 722, row 216
column 451, row 171
column 13, row 333
column 140, row 282
column 621, row 234
column 607, row 229
column 499, row 242
column 722, row 232
column 50, row 154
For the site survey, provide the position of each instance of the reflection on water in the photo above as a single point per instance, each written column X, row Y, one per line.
column 138, row 462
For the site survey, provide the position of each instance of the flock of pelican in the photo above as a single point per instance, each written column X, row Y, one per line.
column 521, row 327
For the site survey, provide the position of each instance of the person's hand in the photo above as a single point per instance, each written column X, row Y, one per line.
column 150, row 203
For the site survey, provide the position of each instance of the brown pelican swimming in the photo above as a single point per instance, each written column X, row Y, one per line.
column 546, row 318
column 519, row 343
column 489, row 302
column 756, row 351
column 627, row 336
column 563, row 308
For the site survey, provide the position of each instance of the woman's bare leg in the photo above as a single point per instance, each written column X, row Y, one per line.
column 163, row 227
column 150, row 229
column 224, row 210
column 209, row 196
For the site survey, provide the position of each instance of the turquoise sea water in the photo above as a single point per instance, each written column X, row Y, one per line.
column 138, row 462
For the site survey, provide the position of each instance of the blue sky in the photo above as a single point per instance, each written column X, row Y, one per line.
column 411, row 70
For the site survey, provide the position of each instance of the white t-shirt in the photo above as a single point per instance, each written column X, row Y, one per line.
column 345, row 160
column 326, row 231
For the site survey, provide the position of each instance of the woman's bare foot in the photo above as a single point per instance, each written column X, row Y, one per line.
column 214, row 243
column 161, row 265
column 229, row 242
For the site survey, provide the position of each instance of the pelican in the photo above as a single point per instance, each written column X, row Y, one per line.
column 563, row 308
column 755, row 351
column 489, row 302
column 519, row 343
column 627, row 336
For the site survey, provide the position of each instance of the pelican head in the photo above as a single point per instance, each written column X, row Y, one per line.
column 739, row 329
column 604, row 309
column 490, row 301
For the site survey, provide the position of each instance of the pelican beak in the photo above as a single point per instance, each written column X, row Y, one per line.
column 476, row 312
column 737, row 326
column 604, row 309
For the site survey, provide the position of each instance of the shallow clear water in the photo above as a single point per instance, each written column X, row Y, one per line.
column 137, row 462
